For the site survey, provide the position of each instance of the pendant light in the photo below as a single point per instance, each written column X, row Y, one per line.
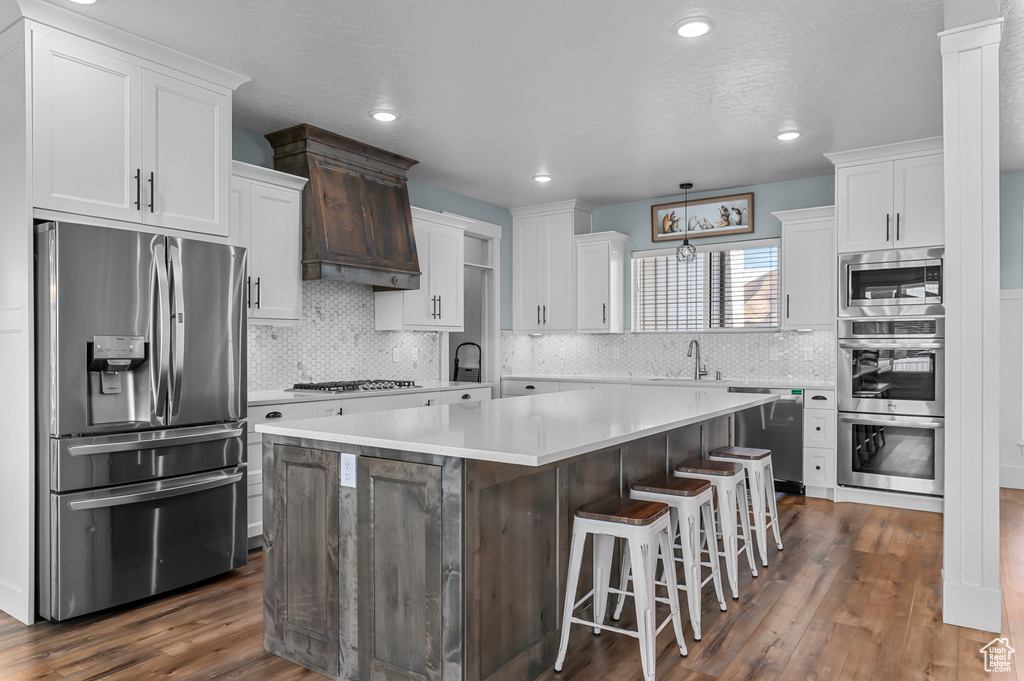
column 686, row 253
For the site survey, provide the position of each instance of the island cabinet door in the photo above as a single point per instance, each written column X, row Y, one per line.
column 400, row 573
column 300, row 558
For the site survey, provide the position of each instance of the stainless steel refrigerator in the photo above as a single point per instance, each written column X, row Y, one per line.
column 141, row 395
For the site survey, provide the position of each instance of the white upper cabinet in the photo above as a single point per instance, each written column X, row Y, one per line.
column 890, row 196
column 600, row 259
column 186, row 151
column 266, row 216
column 87, row 130
column 114, row 138
column 543, row 265
column 808, row 268
column 438, row 303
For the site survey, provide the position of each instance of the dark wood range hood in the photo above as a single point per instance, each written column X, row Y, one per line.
column 356, row 222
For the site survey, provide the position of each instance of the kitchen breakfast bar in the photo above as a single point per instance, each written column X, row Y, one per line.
column 447, row 560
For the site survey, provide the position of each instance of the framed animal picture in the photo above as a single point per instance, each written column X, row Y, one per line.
column 718, row 216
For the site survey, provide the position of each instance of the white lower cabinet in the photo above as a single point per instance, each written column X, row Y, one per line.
column 514, row 387
column 818, row 467
column 464, row 395
column 820, row 443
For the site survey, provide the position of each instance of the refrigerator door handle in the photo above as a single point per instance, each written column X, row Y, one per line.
column 160, row 490
column 136, row 443
column 178, row 314
column 161, row 337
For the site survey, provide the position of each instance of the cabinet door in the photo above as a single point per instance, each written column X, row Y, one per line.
column 363, row 405
column 301, row 531
column 420, row 305
column 463, row 395
column 820, row 428
column 818, row 465
column 274, row 255
column 864, row 207
column 526, row 275
column 187, row 155
column 808, row 275
column 557, row 274
column 446, row 274
column 918, row 202
column 240, row 228
column 593, row 286
column 87, row 130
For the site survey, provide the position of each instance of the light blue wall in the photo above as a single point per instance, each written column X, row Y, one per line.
column 1011, row 229
column 251, row 147
column 634, row 218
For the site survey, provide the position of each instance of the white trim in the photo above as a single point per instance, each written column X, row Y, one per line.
column 886, row 152
column 801, row 215
column 709, row 248
column 1011, row 477
column 913, row 502
column 598, row 237
column 261, row 174
column 1011, row 294
column 440, row 218
column 557, row 207
column 487, row 230
column 978, row 607
column 971, row 36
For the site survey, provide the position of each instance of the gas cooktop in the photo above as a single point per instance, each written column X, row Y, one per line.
column 351, row 386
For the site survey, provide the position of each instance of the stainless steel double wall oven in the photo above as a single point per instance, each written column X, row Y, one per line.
column 141, row 396
column 891, row 373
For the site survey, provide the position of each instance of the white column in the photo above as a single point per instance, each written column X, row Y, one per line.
column 971, row 595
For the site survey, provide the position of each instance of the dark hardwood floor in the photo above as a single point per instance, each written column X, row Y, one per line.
column 854, row 595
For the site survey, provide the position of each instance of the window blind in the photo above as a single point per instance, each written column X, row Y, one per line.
column 724, row 287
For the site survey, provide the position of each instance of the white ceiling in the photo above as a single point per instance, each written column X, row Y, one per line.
column 490, row 93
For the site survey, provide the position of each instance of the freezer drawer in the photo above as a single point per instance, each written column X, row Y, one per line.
column 121, row 544
column 86, row 462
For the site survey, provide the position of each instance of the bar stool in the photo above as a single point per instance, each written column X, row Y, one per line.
column 688, row 500
column 645, row 526
column 758, row 465
column 730, row 486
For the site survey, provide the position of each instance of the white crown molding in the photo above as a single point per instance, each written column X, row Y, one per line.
column 598, row 237
column 45, row 14
column 971, row 36
column 557, row 207
column 440, row 218
column 806, row 214
column 887, row 152
column 261, row 174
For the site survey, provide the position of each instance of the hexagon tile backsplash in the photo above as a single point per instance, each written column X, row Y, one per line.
column 336, row 341
column 744, row 356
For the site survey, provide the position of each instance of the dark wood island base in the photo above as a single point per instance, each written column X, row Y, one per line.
column 434, row 567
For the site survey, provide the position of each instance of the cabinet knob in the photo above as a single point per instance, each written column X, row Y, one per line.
column 531, row 387
column 817, row 468
column 818, row 428
column 466, row 396
column 274, row 415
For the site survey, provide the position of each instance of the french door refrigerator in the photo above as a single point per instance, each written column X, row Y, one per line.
column 141, row 399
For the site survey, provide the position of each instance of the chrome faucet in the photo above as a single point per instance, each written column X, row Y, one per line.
column 697, row 371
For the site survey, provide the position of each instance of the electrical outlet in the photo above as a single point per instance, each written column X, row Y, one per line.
column 395, row 355
column 348, row 470
column 415, row 354
column 616, row 353
column 561, row 353
column 809, row 354
column 773, row 354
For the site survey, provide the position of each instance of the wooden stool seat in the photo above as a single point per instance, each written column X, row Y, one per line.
column 745, row 453
column 707, row 467
column 680, row 487
column 619, row 510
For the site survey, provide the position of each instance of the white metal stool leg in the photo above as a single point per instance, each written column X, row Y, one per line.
column 604, row 548
column 725, row 498
column 755, row 482
column 579, row 537
column 769, row 478
column 741, row 491
column 710, row 540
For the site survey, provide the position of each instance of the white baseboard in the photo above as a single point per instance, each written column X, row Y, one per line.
column 913, row 502
column 1011, row 476
column 972, row 606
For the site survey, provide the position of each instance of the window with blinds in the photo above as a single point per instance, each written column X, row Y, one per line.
column 723, row 288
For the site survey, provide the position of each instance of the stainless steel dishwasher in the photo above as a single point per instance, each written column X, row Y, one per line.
column 778, row 426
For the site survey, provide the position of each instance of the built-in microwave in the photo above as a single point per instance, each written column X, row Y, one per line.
column 891, row 283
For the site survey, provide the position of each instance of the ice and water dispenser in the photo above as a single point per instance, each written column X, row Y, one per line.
column 114, row 389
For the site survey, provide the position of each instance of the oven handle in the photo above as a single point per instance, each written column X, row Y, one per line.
column 210, row 481
column 898, row 344
column 198, row 435
column 909, row 422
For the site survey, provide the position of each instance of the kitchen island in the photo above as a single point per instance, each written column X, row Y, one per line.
column 447, row 559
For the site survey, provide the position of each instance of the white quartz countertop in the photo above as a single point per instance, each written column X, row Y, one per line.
column 263, row 397
column 707, row 382
column 530, row 431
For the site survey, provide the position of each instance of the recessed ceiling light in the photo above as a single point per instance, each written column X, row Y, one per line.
column 788, row 135
column 542, row 178
column 693, row 28
column 384, row 115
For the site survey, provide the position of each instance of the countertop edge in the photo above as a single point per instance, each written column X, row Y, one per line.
column 672, row 381
column 285, row 397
